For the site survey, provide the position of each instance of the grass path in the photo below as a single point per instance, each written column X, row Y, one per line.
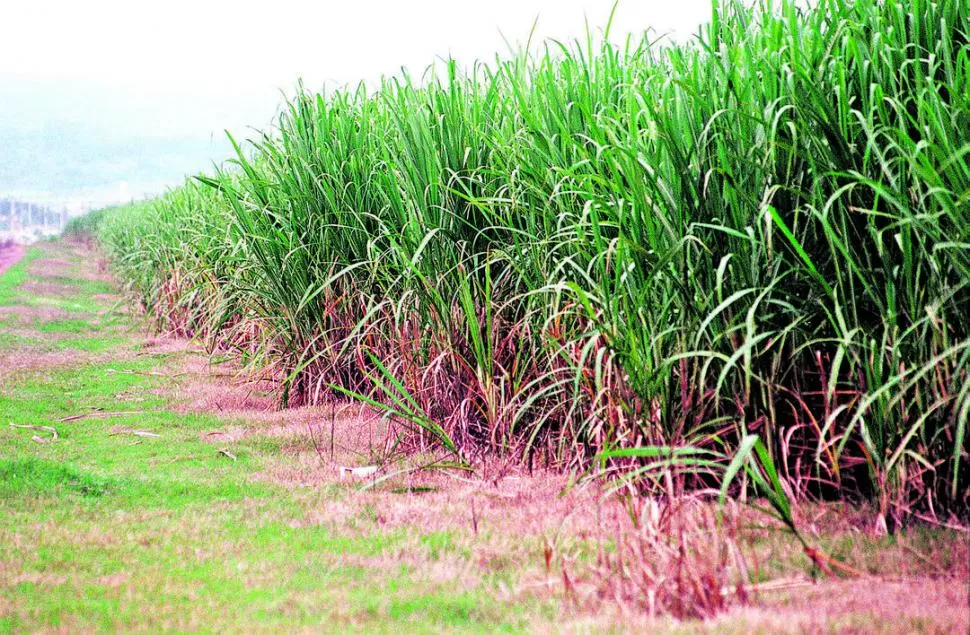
column 172, row 498
column 9, row 255
column 107, row 527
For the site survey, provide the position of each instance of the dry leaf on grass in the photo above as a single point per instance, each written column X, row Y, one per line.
column 100, row 415
column 38, row 438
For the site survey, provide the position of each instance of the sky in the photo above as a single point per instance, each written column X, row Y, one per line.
column 111, row 99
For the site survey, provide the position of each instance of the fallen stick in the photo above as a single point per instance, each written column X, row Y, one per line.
column 36, row 437
column 943, row 523
column 924, row 559
column 771, row 585
column 137, row 433
column 825, row 562
column 100, row 415
column 145, row 373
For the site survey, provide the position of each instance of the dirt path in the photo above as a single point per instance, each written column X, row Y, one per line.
column 167, row 494
column 10, row 254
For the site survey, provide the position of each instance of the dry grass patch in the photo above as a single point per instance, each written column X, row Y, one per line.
column 605, row 558
column 26, row 314
column 52, row 267
column 168, row 345
column 35, row 287
column 10, row 254
column 916, row 605
column 222, row 389
column 16, row 362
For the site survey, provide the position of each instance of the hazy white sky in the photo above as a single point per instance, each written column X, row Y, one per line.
column 193, row 68
column 237, row 47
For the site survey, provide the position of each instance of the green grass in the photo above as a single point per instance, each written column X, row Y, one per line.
column 16, row 276
column 73, row 319
column 105, row 531
column 210, row 567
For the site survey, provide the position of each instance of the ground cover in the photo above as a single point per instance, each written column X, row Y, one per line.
column 238, row 516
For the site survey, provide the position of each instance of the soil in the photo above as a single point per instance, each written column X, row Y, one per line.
column 10, row 254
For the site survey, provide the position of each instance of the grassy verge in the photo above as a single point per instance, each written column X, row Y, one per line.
column 229, row 519
column 112, row 527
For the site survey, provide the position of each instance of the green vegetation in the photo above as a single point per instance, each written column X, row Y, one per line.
column 606, row 251
column 87, row 225
column 14, row 277
column 235, row 522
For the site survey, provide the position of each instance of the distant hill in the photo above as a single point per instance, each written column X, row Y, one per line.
column 63, row 160
column 61, row 140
